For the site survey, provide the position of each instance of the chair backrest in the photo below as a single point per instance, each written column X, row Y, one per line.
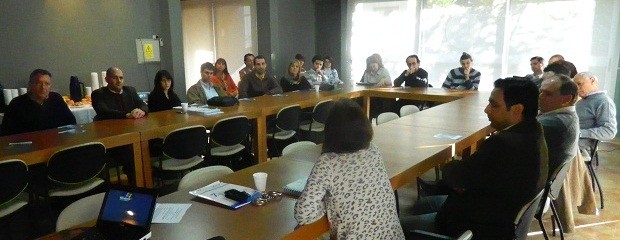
column 408, row 109
column 386, row 117
column 466, row 235
column 230, row 131
column 288, row 118
column 77, row 164
column 13, row 179
column 80, row 211
column 297, row 146
column 524, row 217
column 557, row 179
column 186, row 142
column 203, row 176
column 321, row 110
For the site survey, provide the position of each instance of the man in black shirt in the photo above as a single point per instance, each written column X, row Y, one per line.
column 39, row 109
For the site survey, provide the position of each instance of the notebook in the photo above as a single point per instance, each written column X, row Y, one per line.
column 295, row 188
column 125, row 214
column 215, row 193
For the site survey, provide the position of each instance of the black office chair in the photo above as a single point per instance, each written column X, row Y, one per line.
column 229, row 143
column 315, row 126
column 74, row 173
column 13, row 196
column 589, row 161
column 550, row 194
column 283, row 129
column 182, row 151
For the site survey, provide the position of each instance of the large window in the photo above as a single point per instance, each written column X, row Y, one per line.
column 501, row 35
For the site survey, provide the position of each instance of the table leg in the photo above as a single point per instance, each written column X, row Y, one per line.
column 260, row 139
column 366, row 106
column 147, row 171
column 137, row 161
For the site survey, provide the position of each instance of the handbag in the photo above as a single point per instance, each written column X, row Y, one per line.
column 221, row 101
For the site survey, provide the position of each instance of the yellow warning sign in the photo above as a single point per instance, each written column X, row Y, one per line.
column 148, row 51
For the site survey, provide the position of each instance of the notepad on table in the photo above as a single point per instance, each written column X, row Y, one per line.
column 295, row 188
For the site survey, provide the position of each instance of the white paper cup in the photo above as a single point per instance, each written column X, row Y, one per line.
column 184, row 106
column 23, row 91
column 7, row 96
column 14, row 93
column 260, row 181
column 89, row 90
column 316, row 88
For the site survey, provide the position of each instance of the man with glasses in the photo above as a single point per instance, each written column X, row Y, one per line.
column 204, row 89
column 414, row 76
column 39, row 109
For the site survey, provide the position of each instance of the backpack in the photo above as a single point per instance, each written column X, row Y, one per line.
column 220, row 101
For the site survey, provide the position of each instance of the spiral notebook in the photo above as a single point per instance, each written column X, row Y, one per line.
column 295, row 188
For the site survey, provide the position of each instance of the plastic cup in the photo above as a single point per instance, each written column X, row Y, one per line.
column 316, row 88
column 260, row 181
column 184, row 106
column 23, row 91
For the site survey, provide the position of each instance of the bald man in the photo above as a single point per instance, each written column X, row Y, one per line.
column 596, row 111
column 117, row 101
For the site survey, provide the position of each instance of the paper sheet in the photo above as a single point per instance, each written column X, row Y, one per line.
column 169, row 212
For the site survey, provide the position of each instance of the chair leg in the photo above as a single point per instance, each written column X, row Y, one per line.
column 556, row 219
column 542, row 228
column 600, row 190
column 397, row 203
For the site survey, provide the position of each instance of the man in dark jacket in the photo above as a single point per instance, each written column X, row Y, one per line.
column 506, row 172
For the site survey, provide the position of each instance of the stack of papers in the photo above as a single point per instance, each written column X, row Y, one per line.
column 214, row 192
column 204, row 109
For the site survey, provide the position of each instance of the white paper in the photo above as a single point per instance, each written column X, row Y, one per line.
column 169, row 212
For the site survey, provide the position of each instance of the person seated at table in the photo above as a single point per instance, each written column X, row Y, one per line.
column 414, row 76
column 204, row 89
column 375, row 72
column 315, row 76
column 555, row 58
column 38, row 109
column 163, row 96
column 302, row 61
column 117, row 101
column 259, row 82
column 490, row 187
column 329, row 71
column 222, row 78
column 293, row 81
column 463, row 78
column 596, row 111
column 248, row 60
column 349, row 181
column 558, row 94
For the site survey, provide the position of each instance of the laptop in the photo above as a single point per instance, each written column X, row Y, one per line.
column 125, row 214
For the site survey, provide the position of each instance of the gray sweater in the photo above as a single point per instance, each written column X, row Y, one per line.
column 561, row 128
column 597, row 117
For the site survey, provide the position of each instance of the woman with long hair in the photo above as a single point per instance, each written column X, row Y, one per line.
column 163, row 96
column 293, row 81
column 222, row 78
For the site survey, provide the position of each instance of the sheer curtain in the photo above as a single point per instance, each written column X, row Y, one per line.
column 215, row 29
column 501, row 36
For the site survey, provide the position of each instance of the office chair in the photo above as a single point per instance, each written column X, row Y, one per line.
column 408, row 109
column 283, row 128
column 202, row 177
column 589, row 161
column 13, row 196
column 415, row 234
column 550, row 194
column 386, row 117
column 524, row 217
column 74, row 173
column 182, row 150
column 316, row 125
column 80, row 211
column 229, row 143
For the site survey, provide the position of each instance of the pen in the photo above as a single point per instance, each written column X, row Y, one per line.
column 20, row 143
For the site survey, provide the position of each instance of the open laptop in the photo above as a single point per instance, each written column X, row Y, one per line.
column 126, row 213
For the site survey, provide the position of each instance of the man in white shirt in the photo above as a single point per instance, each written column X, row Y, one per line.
column 315, row 76
column 203, row 90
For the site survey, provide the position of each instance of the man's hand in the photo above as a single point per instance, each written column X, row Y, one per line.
column 136, row 113
column 466, row 72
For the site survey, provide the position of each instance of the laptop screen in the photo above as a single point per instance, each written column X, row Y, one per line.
column 131, row 208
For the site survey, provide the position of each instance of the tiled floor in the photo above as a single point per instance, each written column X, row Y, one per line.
column 606, row 225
